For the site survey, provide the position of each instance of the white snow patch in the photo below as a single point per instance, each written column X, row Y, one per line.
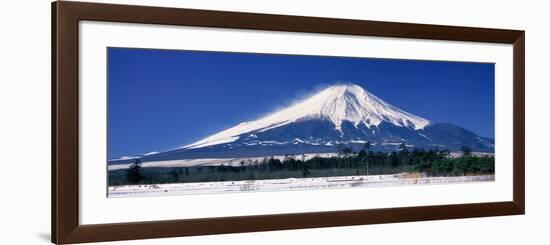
column 126, row 158
column 298, row 140
column 428, row 138
column 273, row 142
column 212, row 141
column 216, row 161
column 151, row 153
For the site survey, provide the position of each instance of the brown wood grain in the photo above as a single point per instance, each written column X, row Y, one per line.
column 65, row 223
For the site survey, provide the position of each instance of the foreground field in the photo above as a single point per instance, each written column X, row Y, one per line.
column 288, row 184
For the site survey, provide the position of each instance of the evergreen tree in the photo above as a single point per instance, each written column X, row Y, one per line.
column 134, row 175
column 370, row 155
column 393, row 159
column 362, row 155
column 404, row 154
column 175, row 175
column 305, row 170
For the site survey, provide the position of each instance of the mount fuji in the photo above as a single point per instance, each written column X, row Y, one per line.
column 343, row 114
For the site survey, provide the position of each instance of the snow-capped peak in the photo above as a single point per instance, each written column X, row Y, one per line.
column 337, row 103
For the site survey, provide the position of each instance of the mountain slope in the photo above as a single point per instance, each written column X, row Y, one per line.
column 338, row 115
column 337, row 104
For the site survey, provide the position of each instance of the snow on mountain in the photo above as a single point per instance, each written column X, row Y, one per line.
column 340, row 115
column 337, row 104
column 151, row 153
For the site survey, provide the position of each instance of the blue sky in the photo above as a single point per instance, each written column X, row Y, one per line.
column 163, row 99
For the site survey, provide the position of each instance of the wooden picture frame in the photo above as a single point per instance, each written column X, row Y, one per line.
column 65, row 121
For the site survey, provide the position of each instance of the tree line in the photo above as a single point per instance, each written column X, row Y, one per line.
column 347, row 162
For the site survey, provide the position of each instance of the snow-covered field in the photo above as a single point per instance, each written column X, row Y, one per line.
column 477, row 154
column 287, row 184
column 213, row 161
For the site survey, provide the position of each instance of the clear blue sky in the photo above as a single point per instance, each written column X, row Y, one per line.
column 163, row 99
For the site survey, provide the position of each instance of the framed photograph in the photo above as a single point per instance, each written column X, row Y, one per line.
column 175, row 122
